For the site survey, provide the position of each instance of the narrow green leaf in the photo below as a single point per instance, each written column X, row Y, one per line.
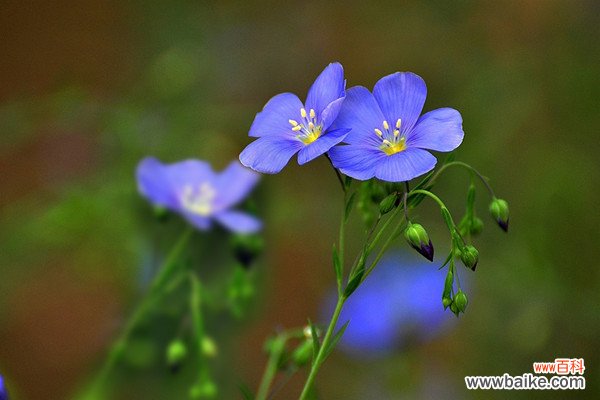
column 315, row 339
column 336, row 338
column 337, row 265
column 349, row 205
column 246, row 392
column 354, row 282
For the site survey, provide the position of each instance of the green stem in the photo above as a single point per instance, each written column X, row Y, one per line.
column 162, row 277
column 467, row 166
column 271, row 369
column 322, row 350
column 383, row 249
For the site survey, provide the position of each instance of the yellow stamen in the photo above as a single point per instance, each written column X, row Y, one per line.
column 303, row 112
column 292, row 122
column 387, row 142
column 311, row 126
column 312, row 114
column 385, row 125
column 297, row 128
column 378, row 132
column 393, row 148
column 398, row 123
column 396, row 133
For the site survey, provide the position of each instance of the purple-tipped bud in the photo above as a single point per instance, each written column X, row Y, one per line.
column 499, row 211
column 417, row 237
column 469, row 256
column 176, row 354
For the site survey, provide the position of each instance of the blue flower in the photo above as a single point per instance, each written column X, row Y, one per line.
column 3, row 391
column 398, row 303
column 285, row 126
column 388, row 138
column 192, row 189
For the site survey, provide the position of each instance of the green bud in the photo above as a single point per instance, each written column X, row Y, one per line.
column 246, row 248
column 460, row 299
column 206, row 389
column 454, row 308
column 469, row 256
column 176, row 353
column 476, row 226
column 303, row 353
column 208, row 347
column 161, row 213
column 446, row 301
column 388, row 203
column 499, row 211
column 419, row 240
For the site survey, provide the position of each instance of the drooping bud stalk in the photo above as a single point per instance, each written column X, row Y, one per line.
column 419, row 240
column 499, row 211
column 469, row 256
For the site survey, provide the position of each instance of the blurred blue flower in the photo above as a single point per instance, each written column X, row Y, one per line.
column 388, row 137
column 285, row 126
column 192, row 189
column 3, row 390
column 399, row 303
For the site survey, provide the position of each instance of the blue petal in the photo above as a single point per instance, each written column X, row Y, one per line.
column 362, row 114
column 321, row 145
column 439, row 130
column 233, row 185
column 203, row 223
column 358, row 162
column 274, row 117
column 330, row 113
column 405, row 165
column 239, row 222
column 154, row 184
column 269, row 154
column 328, row 87
column 189, row 172
column 401, row 95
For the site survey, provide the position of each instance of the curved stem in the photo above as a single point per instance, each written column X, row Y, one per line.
column 322, row 350
column 337, row 173
column 162, row 277
column 467, row 166
column 271, row 368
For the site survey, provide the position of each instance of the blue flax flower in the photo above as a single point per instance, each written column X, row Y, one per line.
column 397, row 305
column 388, row 138
column 285, row 126
column 192, row 189
column 3, row 391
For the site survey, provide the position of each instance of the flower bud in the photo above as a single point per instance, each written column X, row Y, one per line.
column 476, row 226
column 208, row 346
column 176, row 353
column 205, row 389
column 454, row 308
column 499, row 211
column 469, row 256
column 446, row 301
column 460, row 299
column 388, row 203
column 246, row 248
column 417, row 237
column 303, row 353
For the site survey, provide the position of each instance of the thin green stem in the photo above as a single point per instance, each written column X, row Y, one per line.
column 271, row 369
column 383, row 249
column 162, row 277
column 337, row 173
column 467, row 166
column 322, row 350
column 342, row 239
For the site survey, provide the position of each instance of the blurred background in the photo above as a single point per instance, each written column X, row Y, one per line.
column 89, row 88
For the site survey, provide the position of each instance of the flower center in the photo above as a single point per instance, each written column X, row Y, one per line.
column 308, row 128
column 199, row 199
column 392, row 141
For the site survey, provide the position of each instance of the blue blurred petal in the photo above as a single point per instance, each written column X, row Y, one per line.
column 405, row 165
column 321, row 145
column 401, row 95
column 189, row 172
column 155, row 184
column 274, row 117
column 362, row 114
column 239, row 222
column 328, row 87
column 203, row 223
column 233, row 185
column 358, row 162
column 331, row 112
column 269, row 154
column 439, row 130
column 3, row 390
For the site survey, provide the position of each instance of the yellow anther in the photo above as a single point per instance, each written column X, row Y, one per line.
column 292, row 122
column 398, row 123
column 385, row 125
column 297, row 128
column 312, row 113
column 378, row 132
column 386, row 142
column 396, row 133
column 311, row 126
column 303, row 112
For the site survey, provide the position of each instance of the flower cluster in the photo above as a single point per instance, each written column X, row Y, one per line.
column 380, row 134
